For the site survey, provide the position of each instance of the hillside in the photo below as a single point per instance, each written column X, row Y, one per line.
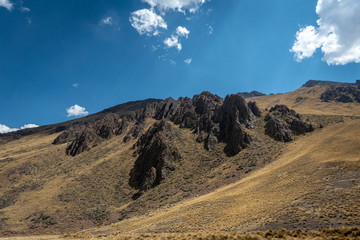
column 201, row 164
column 307, row 99
column 308, row 185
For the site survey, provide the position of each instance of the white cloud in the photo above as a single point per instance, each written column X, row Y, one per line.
column 75, row 85
column 6, row 4
column 211, row 29
column 172, row 62
column 177, row 5
column 76, row 111
column 188, row 61
column 173, row 41
column 30, row 125
column 336, row 34
column 25, row 9
column 6, row 129
column 147, row 22
column 107, row 21
column 182, row 31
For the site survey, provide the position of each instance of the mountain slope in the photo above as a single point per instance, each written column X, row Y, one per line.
column 188, row 165
column 307, row 100
column 310, row 185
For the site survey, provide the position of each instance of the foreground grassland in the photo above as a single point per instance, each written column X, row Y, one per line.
column 337, row 233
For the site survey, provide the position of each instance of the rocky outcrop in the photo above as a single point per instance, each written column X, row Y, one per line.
column 233, row 115
column 254, row 109
column 103, row 128
column 277, row 129
column 209, row 116
column 69, row 134
column 341, row 94
column 156, row 157
column 84, row 142
column 283, row 123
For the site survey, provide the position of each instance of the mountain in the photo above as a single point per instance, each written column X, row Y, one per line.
column 201, row 164
column 251, row 94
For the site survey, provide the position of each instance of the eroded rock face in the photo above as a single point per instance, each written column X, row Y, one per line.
column 212, row 118
column 232, row 115
column 84, row 142
column 277, row 129
column 254, row 109
column 282, row 123
column 103, row 128
column 157, row 157
column 341, row 94
column 69, row 134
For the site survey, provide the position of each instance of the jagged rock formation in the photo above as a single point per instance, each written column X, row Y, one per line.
column 157, row 155
column 282, row 124
column 254, row 109
column 341, row 94
column 212, row 118
column 70, row 134
column 87, row 136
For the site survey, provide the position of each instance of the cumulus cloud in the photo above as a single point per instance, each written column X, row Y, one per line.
column 30, row 125
column 173, row 41
column 182, row 31
column 336, row 34
column 6, row 4
column 146, row 21
column 188, row 61
column 177, row 5
column 6, row 129
column 76, row 111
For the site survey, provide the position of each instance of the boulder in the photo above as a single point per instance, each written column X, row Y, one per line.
column 282, row 123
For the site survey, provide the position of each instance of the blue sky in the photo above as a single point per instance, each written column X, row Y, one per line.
column 55, row 54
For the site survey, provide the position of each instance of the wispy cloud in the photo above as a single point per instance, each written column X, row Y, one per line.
column 25, row 9
column 107, row 21
column 188, row 61
column 75, row 85
column 6, row 4
column 76, row 111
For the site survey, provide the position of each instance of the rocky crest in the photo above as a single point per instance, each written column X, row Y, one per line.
column 342, row 94
column 283, row 123
column 209, row 116
column 157, row 157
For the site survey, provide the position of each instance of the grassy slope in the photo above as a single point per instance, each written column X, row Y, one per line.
column 309, row 185
column 92, row 188
column 307, row 101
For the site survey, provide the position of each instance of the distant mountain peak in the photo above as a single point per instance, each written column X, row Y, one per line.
column 313, row 83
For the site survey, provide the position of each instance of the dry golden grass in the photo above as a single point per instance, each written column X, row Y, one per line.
column 325, row 160
column 307, row 101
